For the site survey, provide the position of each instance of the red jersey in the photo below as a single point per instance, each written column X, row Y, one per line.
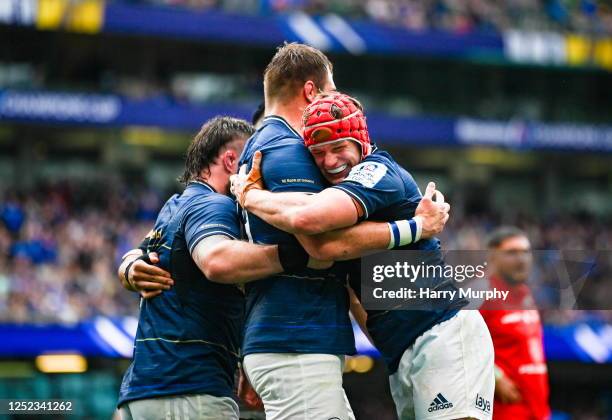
column 519, row 351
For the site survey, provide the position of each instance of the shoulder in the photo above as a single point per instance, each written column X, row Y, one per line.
column 277, row 144
column 170, row 207
column 373, row 169
column 380, row 157
column 274, row 135
column 398, row 173
column 214, row 200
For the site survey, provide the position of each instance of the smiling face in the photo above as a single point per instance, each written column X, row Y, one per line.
column 336, row 159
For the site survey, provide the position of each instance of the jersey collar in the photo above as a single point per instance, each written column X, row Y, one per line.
column 203, row 183
column 282, row 121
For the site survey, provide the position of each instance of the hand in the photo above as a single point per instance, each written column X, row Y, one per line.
column 242, row 182
column 506, row 390
column 148, row 279
column 434, row 214
column 247, row 394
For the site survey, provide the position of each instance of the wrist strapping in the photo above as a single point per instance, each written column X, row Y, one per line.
column 126, row 273
column 404, row 232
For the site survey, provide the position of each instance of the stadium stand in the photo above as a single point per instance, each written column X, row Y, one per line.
column 459, row 16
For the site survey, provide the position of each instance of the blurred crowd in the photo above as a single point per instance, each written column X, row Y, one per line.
column 586, row 16
column 567, row 250
column 60, row 245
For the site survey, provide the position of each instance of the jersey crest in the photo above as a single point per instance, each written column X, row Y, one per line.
column 367, row 174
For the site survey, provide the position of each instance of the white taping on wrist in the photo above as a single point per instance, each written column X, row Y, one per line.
column 419, row 225
column 405, row 232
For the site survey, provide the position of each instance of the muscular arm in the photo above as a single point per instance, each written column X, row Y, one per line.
column 348, row 243
column 324, row 223
column 315, row 220
column 300, row 213
column 228, row 261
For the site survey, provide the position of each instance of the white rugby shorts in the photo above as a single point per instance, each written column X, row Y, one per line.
column 448, row 372
column 299, row 386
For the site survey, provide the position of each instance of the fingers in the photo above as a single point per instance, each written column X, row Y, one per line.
column 146, row 294
column 165, row 281
column 426, row 201
column 142, row 268
column 243, row 170
column 439, row 197
column 430, row 190
column 232, row 185
column 150, row 285
column 256, row 161
column 149, row 273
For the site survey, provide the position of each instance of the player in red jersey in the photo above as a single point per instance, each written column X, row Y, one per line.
column 521, row 378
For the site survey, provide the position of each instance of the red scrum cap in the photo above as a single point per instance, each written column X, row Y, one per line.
column 335, row 117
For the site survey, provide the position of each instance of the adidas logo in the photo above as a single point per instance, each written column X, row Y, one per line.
column 439, row 403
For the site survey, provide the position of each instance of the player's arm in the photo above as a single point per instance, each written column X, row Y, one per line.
column 293, row 212
column 368, row 237
column 506, row 390
column 349, row 243
column 212, row 230
column 359, row 314
column 296, row 213
column 224, row 260
column 327, row 210
column 353, row 241
column 304, row 215
column 300, row 213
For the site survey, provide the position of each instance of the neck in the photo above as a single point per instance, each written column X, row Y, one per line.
column 291, row 112
column 219, row 183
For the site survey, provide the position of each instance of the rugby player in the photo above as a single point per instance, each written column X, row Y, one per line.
column 297, row 327
column 441, row 360
column 299, row 331
column 188, row 339
column 521, row 376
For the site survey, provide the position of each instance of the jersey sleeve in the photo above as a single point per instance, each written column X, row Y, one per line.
column 215, row 215
column 144, row 245
column 374, row 183
column 290, row 168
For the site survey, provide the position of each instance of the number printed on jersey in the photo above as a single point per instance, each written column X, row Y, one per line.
column 367, row 173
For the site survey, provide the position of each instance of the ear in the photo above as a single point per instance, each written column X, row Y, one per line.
column 230, row 161
column 310, row 91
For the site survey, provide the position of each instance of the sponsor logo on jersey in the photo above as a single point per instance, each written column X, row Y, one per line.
column 367, row 173
column 482, row 404
column 439, row 403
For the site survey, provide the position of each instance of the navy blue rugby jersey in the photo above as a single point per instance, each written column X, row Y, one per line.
column 387, row 192
column 305, row 311
column 188, row 338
